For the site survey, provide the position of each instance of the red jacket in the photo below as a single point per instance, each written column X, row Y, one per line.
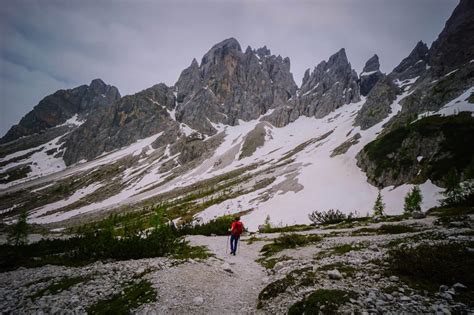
column 236, row 228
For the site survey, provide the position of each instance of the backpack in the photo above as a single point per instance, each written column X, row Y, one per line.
column 237, row 228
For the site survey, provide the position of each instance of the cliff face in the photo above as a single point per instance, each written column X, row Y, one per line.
column 56, row 108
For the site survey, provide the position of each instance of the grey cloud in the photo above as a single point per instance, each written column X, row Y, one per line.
column 48, row 45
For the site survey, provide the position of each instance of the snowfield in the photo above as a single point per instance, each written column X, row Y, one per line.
column 314, row 180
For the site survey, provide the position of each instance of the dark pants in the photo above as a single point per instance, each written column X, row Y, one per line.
column 234, row 239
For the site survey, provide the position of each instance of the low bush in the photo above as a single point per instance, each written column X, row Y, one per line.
column 321, row 301
column 218, row 226
column 329, row 217
column 132, row 296
column 429, row 266
column 287, row 241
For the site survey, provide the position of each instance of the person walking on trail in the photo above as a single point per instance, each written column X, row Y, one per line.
column 236, row 229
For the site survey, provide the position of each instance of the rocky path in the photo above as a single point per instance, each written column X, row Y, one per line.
column 224, row 284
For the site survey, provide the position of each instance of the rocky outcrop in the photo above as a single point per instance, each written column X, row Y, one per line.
column 131, row 118
column 231, row 84
column 370, row 75
column 455, row 44
column 378, row 104
column 427, row 149
column 330, row 85
column 413, row 65
column 56, row 108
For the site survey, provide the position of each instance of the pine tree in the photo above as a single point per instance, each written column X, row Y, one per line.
column 413, row 200
column 379, row 206
column 453, row 193
column 19, row 233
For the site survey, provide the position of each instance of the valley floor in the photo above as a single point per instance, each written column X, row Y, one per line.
column 348, row 262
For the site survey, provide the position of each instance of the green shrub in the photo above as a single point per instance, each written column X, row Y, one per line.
column 413, row 200
column 218, row 226
column 321, row 301
column 429, row 266
column 328, row 217
column 286, row 241
column 132, row 296
column 19, row 232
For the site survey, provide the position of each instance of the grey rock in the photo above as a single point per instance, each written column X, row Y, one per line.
column 378, row 104
column 330, row 85
column 443, row 288
column 231, row 84
column 198, row 300
column 334, row 274
column 370, row 75
column 131, row 118
column 56, row 108
column 413, row 65
column 394, row 278
column 459, row 287
column 418, row 215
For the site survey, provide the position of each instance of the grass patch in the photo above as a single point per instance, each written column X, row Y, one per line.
column 286, row 229
column 386, row 229
column 269, row 263
column 347, row 269
column 426, row 267
column 218, row 226
column 132, row 296
column 420, row 237
column 299, row 277
column 287, row 241
column 192, row 252
column 450, row 211
column 322, row 301
column 59, row 286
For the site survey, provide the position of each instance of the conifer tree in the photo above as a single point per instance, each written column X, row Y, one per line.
column 19, row 233
column 413, row 200
column 379, row 206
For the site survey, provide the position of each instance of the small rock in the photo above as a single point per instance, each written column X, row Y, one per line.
column 443, row 288
column 389, row 297
column 226, row 267
column 334, row 274
column 404, row 298
column 459, row 287
column 198, row 300
column 394, row 278
column 418, row 215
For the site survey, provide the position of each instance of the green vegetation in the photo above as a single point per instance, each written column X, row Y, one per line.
column 218, row 226
column 347, row 269
column 132, row 296
column 342, row 249
column 59, row 286
column 413, row 200
column 328, row 217
column 322, row 301
column 379, row 206
column 269, row 263
column 287, row 241
column 429, row 266
column 393, row 154
column 299, row 277
column 19, row 232
column 15, row 173
column 386, row 229
column 100, row 244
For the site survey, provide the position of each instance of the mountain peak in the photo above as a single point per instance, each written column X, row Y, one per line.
column 454, row 46
column 372, row 64
column 98, row 84
column 338, row 57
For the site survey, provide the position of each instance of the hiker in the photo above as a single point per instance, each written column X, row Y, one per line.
column 235, row 230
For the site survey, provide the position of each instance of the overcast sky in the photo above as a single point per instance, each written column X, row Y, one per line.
column 49, row 45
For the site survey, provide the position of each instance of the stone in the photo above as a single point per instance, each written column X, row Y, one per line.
column 443, row 288
column 198, row 300
column 226, row 267
column 418, row 215
column 459, row 287
column 394, row 278
column 334, row 274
